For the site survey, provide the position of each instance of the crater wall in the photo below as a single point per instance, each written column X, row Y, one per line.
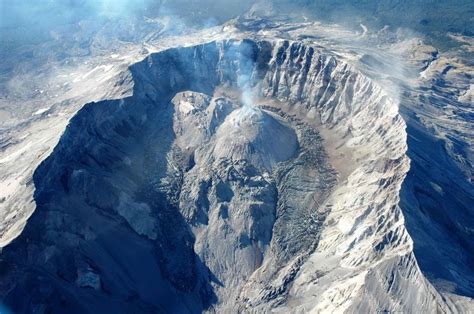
column 140, row 208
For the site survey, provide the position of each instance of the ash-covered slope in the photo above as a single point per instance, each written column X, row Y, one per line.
column 185, row 197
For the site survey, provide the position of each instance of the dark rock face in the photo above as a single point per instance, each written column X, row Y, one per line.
column 104, row 237
column 433, row 192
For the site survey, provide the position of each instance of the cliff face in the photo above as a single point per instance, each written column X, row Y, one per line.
column 239, row 174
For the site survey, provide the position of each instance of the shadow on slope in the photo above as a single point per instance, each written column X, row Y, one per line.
column 434, row 198
column 107, row 235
